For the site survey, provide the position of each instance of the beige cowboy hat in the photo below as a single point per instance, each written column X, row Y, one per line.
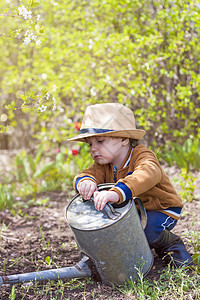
column 108, row 119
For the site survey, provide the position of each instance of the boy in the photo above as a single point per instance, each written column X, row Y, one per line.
column 110, row 131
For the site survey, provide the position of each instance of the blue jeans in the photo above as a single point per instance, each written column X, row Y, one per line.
column 156, row 223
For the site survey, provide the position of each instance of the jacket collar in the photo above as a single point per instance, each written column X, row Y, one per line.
column 126, row 160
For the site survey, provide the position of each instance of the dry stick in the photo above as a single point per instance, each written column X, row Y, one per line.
column 8, row 238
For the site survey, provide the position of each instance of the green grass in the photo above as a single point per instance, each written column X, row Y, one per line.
column 173, row 284
column 51, row 290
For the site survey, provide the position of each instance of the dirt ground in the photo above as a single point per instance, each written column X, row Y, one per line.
column 26, row 244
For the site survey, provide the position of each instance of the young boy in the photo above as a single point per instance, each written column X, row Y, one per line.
column 110, row 131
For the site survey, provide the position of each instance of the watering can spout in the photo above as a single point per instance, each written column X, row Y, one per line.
column 80, row 270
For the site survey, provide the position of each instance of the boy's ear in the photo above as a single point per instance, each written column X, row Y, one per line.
column 125, row 141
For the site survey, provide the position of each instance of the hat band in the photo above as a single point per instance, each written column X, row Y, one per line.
column 94, row 130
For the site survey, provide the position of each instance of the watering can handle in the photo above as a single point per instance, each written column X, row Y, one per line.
column 143, row 212
column 112, row 214
column 110, row 211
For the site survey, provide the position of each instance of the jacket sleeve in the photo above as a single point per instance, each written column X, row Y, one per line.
column 95, row 173
column 146, row 174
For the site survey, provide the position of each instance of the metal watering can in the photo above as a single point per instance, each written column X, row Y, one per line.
column 113, row 238
column 112, row 242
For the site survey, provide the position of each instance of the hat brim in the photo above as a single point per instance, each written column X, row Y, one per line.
column 136, row 134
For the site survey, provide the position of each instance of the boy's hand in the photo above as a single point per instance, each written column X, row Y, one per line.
column 87, row 188
column 101, row 198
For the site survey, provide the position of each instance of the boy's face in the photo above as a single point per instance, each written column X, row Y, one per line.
column 105, row 150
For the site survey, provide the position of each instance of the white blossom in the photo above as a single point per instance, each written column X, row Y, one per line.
column 27, row 14
column 130, row 67
column 68, row 120
column 42, row 108
column 47, row 96
column 29, row 36
column 90, row 44
column 54, row 88
column 33, row 37
column 27, row 40
column 44, row 76
column 38, row 42
column 132, row 92
column 38, row 17
column 108, row 80
column 93, row 92
column 54, row 107
column 147, row 66
column 61, row 109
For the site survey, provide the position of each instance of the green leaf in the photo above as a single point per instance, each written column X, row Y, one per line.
column 44, row 170
column 32, row 163
column 60, row 158
column 21, row 173
column 38, row 155
column 48, row 260
column 13, row 104
column 34, row 4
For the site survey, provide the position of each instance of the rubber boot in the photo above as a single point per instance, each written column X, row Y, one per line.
column 171, row 249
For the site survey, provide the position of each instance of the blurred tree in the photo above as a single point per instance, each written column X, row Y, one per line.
column 144, row 54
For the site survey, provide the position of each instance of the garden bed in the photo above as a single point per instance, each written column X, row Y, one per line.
column 39, row 238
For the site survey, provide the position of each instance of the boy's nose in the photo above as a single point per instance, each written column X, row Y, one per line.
column 93, row 147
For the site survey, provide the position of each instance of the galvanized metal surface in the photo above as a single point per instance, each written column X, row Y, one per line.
column 118, row 249
column 83, row 214
column 80, row 270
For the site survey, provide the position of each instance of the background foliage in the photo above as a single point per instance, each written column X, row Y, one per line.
column 57, row 57
column 144, row 54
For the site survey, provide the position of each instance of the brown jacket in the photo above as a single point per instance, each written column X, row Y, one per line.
column 140, row 175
